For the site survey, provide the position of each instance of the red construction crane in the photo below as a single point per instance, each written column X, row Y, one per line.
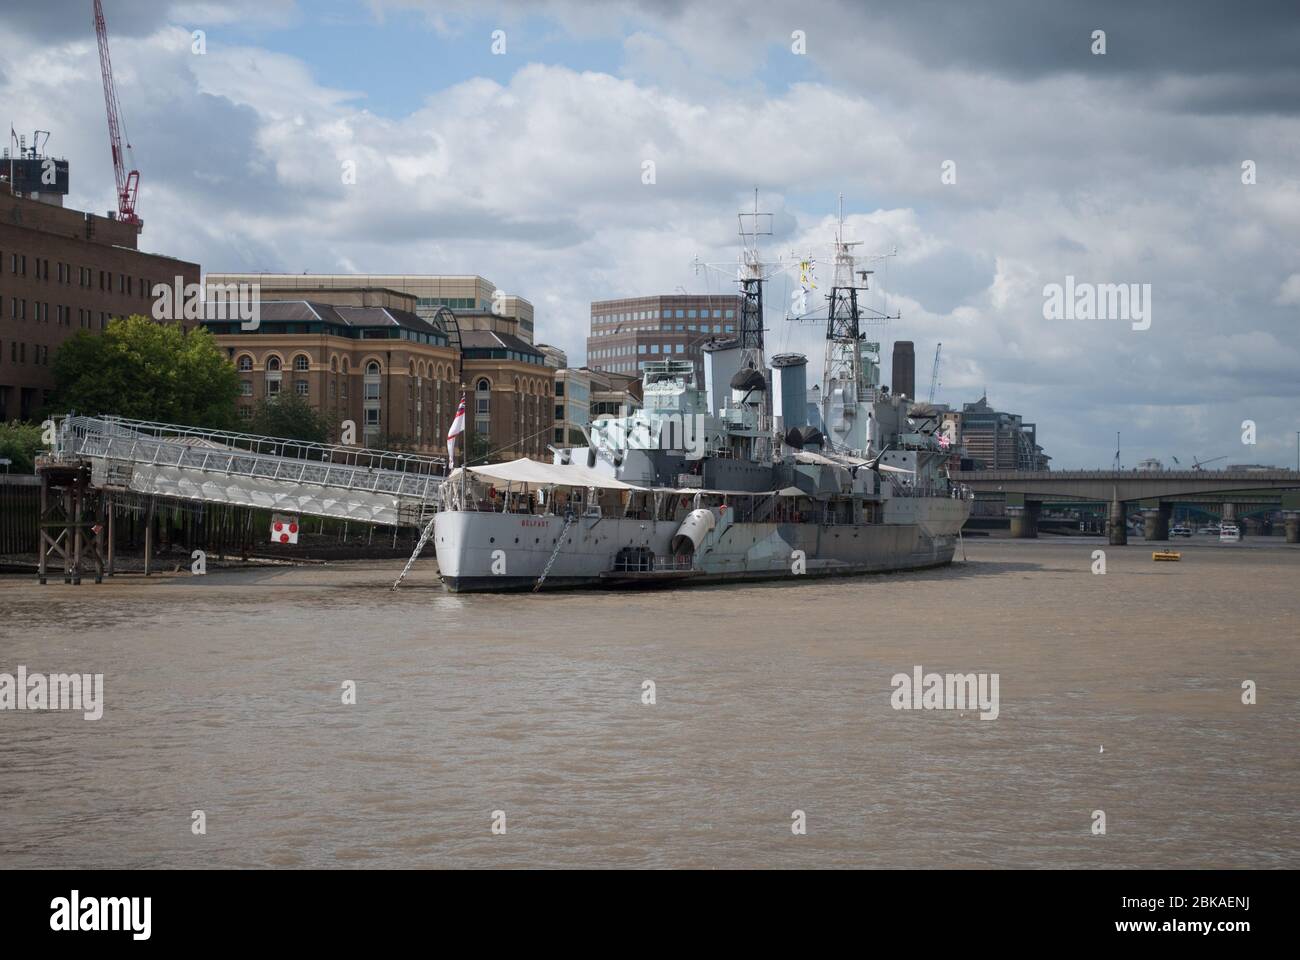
column 128, row 181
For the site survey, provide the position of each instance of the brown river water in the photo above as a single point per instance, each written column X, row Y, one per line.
column 1119, row 692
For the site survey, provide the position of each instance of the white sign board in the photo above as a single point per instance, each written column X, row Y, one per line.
column 284, row 528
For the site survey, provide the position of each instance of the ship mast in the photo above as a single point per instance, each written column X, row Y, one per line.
column 849, row 367
column 842, row 373
column 750, row 277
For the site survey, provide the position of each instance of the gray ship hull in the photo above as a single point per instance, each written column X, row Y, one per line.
column 492, row 552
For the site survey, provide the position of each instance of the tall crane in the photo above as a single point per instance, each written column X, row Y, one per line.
column 128, row 181
column 934, row 373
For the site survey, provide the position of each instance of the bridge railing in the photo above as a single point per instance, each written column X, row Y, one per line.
column 989, row 475
column 143, row 443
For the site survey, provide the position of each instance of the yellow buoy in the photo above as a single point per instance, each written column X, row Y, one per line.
column 1166, row 555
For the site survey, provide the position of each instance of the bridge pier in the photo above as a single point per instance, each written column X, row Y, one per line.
column 1024, row 522
column 1229, row 512
column 1291, row 521
column 1116, row 525
column 1155, row 522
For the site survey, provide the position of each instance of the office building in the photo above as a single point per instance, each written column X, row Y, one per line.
column 628, row 332
column 1000, row 441
column 62, row 271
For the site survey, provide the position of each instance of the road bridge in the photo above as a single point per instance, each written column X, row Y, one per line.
column 1155, row 490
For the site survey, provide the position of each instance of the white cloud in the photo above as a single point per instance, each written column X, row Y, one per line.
column 1289, row 294
column 535, row 182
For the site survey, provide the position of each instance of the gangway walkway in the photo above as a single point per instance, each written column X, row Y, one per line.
column 213, row 466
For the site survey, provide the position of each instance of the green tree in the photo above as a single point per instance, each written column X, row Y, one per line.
column 479, row 448
column 20, row 442
column 291, row 417
column 144, row 370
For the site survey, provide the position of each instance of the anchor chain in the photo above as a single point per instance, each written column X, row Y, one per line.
column 569, row 517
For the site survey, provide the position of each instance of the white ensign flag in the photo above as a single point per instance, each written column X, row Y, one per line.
column 457, row 428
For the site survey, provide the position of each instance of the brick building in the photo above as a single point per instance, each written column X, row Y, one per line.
column 479, row 302
column 364, row 354
column 62, row 270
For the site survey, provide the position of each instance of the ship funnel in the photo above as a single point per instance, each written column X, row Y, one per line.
column 790, row 389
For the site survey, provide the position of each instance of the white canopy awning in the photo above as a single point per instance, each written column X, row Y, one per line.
column 532, row 475
column 838, row 460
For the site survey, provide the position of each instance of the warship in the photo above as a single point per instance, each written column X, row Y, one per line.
column 748, row 476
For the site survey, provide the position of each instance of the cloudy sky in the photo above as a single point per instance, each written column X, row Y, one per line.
column 526, row 166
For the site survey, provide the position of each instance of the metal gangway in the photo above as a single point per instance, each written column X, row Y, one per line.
column 221, row 467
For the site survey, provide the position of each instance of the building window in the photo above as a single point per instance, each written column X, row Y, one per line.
column 483, row 409
column 273, row 376
column 245, row 388
column 300, row 387
column 245, row 363
column 301, row 363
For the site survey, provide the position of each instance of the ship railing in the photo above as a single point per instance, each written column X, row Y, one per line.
column 904, row 489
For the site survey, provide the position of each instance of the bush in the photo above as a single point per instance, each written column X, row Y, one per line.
column 20, row 442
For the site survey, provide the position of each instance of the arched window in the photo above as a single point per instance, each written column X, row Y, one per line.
column 273, row 376
column 334, row 364
column 483, row 409
column 370, row 384
column 245, row 363
column 301, row 363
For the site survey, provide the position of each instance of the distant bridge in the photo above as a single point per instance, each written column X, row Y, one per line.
column 1027, row 490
